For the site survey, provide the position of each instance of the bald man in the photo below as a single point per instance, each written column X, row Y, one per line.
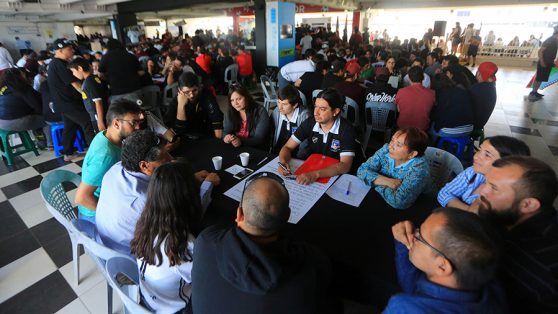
column 250, row 268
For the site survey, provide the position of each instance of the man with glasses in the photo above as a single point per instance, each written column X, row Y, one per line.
column 195, row 110
column 250, row 268
column 124, row 191
column 446, row 265
column 124, row 117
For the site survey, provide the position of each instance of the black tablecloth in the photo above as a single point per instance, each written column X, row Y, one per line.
column 357, row 240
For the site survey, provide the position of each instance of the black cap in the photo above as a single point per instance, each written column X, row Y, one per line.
column 61, row 43
column 337, row 66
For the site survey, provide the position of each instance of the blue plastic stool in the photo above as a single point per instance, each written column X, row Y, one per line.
column 457, row 145
column 56, row 131
column 7, row 150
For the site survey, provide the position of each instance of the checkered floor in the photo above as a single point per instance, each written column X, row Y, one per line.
column 35, row 256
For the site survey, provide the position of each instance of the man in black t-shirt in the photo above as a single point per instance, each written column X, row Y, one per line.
column 330, row 135
column 66, row 92
column 195, row 110
column 547, row 54
column 335, row 75
column 311, row 81
column 95, row 94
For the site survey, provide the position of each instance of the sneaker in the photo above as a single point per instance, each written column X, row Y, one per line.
column 539, row 95
column 73, row 157
column 534, row 96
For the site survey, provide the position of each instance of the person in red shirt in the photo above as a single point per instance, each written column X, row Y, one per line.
column 204, row 60
column 244, row 61
column 415, row 102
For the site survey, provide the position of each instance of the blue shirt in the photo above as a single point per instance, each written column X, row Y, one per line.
column 121, row 203
column 414, row 176
column 423, row 296
column 462, row 188
column 102, row 154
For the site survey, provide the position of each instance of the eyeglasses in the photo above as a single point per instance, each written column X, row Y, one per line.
column 263, row 174
column 418, row 236
column 133, row 123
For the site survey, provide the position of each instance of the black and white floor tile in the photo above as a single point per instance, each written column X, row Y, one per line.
column 36, row 274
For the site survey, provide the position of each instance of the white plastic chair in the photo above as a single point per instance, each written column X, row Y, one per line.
column 270, row 94
column 303, row 98
column 231, row 74
column 315, row 94
column 124, row 266
column 444, row 166
column 353, row 106
column 61, row 209
column 376, row 115
column 169, row 93
column 87, row 235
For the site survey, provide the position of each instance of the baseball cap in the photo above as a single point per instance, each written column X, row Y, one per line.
column 337, row 66
column 382, row 71
column 488, row 70
column 353, row 68
column 61, row 43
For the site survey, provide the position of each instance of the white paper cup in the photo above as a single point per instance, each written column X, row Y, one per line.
column 217, row 162
column 244, row 158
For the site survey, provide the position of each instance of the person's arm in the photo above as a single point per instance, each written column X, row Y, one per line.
column 540, row 54
column 369, row 171
column 412, row 185
column 33, row 99
column 170, row 76
column 450, row 194
column 206, row 188
column 298, row 82
column 343, row 166
column 85, row 197
column 285, row 154
column 99, row 109
column 215, row 115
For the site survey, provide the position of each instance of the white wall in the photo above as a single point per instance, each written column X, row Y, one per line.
column 47, row 33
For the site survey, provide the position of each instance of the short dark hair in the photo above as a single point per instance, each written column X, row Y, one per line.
column 508, row 146
column 291, row 94
column 416, row 74
column 79, row 62
column 322, row 65
column 188, row 79
column 470, row 243
column 420, row 60
column 383, row 54
column 142, row 145
column 309, row 53
column 333, row 97
column 538, row 179
column 434, row 56
column 416, row 139
column 121, row 107
column 452, row 59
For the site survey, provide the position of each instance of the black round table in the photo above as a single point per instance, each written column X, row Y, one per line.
column 357, row 240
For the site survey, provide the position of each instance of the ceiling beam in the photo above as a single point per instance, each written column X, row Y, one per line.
column 137, row 6
column 419, row 4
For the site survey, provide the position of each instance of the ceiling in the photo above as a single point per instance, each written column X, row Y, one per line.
column 98, row 11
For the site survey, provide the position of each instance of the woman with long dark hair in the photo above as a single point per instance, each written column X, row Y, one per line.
column 164, row 237
column 246, row 122
column 20, row 105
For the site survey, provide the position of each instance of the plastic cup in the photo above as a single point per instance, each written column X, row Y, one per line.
column 217, row 162
column 244, row 158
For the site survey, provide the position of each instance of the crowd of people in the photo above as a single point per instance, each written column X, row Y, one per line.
column 491, row 248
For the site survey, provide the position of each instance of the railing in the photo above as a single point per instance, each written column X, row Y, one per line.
column 509, row 51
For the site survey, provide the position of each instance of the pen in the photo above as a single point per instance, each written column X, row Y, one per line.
column 259, row 163
column 284, row 168
column 290, row 177
column 348, row 188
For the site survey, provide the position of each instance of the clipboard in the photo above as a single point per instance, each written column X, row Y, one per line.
column 316, row 162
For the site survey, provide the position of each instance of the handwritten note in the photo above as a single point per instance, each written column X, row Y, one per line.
column 302, row 197
column 357, row 190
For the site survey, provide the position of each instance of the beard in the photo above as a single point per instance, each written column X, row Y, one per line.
column 501, row 218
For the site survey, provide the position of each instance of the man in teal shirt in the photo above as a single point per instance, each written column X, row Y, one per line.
column 124, row 118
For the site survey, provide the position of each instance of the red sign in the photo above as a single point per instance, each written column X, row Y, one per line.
column 299, row 8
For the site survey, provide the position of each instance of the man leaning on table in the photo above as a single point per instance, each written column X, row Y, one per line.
column 329, row 134
column 446, row 265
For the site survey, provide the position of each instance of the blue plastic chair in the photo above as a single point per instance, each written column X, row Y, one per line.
column 7, row 150
column 61, row 209
column 87, row 235
column 443, row 166
column 56, row 129
column 457, row 140
column 129, row 268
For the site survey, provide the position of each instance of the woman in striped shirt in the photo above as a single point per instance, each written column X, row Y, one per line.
column 462, row 192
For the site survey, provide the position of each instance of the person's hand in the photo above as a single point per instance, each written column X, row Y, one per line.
column 213, row 178
column 307, row 178
column 201, row 175
column 182, row 99
column 236, row 142
column 474, row 207
column 282, row 171
column 228, row 138
column 101, row 125
column 541, row 62
column 172, row 146
column 403, row 232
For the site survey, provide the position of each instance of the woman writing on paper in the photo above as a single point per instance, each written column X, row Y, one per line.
column 398, row 171
column 329, row 134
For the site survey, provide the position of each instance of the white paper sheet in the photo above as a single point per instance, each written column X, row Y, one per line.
column 234, row 169
column 302, row 197
column 357, row 190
